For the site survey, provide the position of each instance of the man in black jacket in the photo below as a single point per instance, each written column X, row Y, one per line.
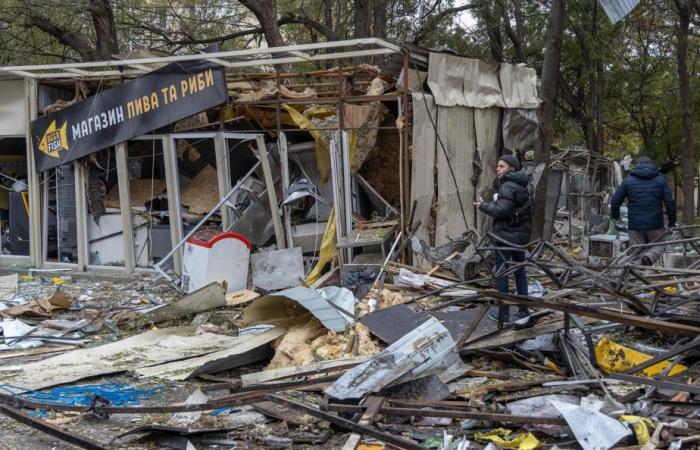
column 511, row 210
column 647, row 192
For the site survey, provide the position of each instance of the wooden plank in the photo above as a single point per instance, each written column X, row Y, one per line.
column 241, row 297
column 436, row 267
column 648, row 323
column 374, row 405
column 284, row 413
column 506, row 386
column 53, row 430
column 309, row 369
column 209, row 297
column 37, row 351
column 348, row 424
column 506, row 338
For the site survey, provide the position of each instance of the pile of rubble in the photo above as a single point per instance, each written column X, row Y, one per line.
column 606, row 359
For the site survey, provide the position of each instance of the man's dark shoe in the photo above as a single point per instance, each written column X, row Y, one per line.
column 522, row 313
column 493, row 314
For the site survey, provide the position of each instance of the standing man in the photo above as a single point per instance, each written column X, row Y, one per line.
column 511, row 210
column 646, row 192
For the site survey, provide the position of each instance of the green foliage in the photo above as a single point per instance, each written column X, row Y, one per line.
column 632, row 62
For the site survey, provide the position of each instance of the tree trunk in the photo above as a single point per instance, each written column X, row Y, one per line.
column 379, row 18
column 548, row 92
column 328, row 14
column 684, row 11
column 363, row 16
column 599, row 110
column 515, row 36
column 266, row 13
column 490, row 15
column 105, row 29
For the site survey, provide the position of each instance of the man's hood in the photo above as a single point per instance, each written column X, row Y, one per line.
column 645, row 170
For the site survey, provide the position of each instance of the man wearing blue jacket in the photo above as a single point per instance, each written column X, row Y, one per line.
column 646, row 192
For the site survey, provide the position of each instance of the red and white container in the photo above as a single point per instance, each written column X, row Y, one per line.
column 224, row 257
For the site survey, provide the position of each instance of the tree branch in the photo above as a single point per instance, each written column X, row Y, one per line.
column 431, row 22
column 514, row 38
column 65, row 36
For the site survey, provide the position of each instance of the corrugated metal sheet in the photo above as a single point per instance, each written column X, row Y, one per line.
column 423, row 163
column 618, row 9
column 429, row 349
column 321, row 303
column 457, row 81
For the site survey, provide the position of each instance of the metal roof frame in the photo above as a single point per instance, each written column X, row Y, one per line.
column 271, row 56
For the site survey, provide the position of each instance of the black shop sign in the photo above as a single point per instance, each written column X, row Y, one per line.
column 164, row 96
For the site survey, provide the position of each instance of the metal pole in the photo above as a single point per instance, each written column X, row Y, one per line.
column 347, row 189
column 271, row 193
column 36, row 253
column 284, row 159
column 125, row 206
column 173, row 186
column 223, row 200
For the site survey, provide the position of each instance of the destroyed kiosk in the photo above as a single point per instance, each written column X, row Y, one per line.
column 276, row 248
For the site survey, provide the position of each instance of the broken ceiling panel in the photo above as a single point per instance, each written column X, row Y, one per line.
column 146, row 349
column 245, row 350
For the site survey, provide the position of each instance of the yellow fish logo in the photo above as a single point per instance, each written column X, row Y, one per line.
column 54, row 139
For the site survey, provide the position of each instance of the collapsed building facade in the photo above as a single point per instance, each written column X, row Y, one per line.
column 274, row 189
column 366, row 138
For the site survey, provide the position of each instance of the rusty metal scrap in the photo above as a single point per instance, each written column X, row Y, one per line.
column 53, row 430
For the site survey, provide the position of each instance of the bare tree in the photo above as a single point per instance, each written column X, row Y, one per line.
column 685, row 11
column 363, row 17
column 106, row 43
column 266, row 13
column 548, row 92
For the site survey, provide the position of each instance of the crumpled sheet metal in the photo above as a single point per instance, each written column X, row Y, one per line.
column 593, row 430
column 519, row 129
column 326, row 304
column 458, row 81
column 438, row 255
column 429, row 349
column 618, row 9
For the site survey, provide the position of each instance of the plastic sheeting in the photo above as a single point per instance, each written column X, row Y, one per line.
column 457, row 81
